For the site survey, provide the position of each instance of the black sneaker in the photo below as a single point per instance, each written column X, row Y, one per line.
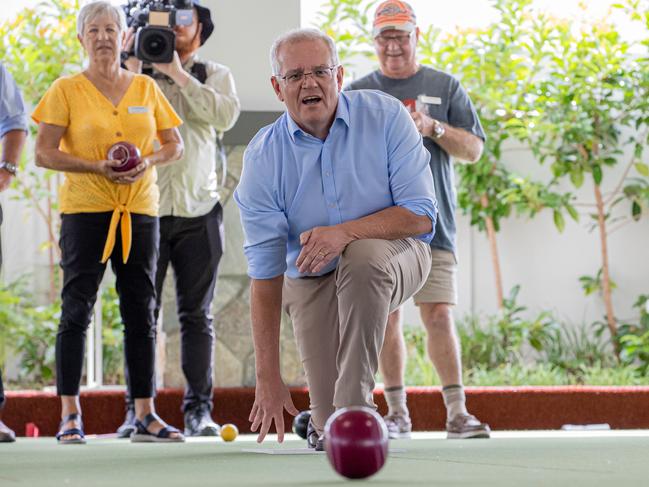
column 199, row 422
column 128, row 426
column 313, row 439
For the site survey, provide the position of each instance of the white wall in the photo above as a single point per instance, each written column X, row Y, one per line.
column 243, row 33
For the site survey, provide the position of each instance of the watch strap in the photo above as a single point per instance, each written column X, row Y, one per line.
column 10, row 167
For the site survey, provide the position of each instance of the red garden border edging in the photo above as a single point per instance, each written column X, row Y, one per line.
column 504, row 408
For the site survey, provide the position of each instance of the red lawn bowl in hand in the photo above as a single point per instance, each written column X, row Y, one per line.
column 126, row 153
column 356, row 442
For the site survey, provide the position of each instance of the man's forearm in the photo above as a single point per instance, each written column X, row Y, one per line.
column 169, row 152
column 12, row 145
column 265, row 314
column 460, row 144
column 390, row 224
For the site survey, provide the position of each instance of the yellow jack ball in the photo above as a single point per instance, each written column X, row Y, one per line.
column 229, row 432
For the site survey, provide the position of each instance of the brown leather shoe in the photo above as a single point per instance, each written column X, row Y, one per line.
column 464, row 426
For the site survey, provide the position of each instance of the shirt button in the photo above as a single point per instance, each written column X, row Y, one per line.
column 119, row 134
column 327, row 174
column 115, row 112
column 332, row 205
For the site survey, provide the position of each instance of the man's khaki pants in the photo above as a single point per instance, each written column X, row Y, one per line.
column 339, row 319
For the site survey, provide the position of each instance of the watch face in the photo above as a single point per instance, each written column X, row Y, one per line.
column 9, row 167
column 439, row 130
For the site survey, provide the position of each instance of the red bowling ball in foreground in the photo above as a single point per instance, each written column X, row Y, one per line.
column 127, row 153
column 356, row 442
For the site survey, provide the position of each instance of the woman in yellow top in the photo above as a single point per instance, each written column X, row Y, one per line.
column 79, row 118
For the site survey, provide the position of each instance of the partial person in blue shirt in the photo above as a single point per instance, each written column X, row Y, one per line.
column 336, row 195
column 13, row 131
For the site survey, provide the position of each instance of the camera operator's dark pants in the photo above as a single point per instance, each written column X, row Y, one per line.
column 193, row 247
column 82, row 241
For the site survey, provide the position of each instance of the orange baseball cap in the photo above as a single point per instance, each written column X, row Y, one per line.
column 394, row 14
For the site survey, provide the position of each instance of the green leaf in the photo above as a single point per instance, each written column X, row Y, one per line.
column 642, row 168
column 572, row 212
column 597, row 174
column 636, row 211
column 559, row 221
column 577, row 177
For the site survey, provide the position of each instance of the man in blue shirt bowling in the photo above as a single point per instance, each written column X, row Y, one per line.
column 338, row 207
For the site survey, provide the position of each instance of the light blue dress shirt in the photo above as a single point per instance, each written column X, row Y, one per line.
column 12, row 108
column 372, row 159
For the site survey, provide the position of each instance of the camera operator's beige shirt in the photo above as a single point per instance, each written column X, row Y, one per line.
column 188, row 188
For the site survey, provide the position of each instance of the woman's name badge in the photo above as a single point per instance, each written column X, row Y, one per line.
column 138, row 109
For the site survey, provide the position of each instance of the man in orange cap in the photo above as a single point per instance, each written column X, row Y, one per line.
column 449, row 125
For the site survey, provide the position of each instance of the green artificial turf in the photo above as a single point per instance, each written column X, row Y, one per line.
column 555, row 462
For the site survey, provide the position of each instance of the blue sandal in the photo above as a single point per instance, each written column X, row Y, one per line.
column 143, row 435
column 71, row 431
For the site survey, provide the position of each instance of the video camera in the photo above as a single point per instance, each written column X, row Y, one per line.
column 153, row 21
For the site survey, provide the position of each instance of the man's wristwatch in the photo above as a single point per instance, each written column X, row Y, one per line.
column 10, row 167
column 438, row 130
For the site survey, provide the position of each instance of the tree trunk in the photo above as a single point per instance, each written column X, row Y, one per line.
column 606, row 277
column 495, row 260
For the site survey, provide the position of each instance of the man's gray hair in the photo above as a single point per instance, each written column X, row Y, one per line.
column 93, row 10
column 299, row 35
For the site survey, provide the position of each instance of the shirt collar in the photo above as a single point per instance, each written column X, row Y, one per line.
column 342, row 113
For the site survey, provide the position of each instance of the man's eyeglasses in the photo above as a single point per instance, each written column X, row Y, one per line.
column 298, row 76
column 401, row 39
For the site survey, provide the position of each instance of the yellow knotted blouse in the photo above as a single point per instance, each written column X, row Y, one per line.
column 92, row 125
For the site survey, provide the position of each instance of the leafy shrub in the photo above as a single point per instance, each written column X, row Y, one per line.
column 577, row 348
column 633, row 338
column 419, row 369
column 29, row 330
column 506, row 337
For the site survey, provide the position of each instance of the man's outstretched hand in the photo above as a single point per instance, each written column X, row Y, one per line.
column 271, row 398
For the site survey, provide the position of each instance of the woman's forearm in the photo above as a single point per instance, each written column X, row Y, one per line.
column 62, row 161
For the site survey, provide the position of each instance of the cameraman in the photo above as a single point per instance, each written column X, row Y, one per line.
column 191, row 218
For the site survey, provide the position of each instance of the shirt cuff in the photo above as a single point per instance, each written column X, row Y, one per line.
column 423, row 210
column 265, row 263
column 13, row 123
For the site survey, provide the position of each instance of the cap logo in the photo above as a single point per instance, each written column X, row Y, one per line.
column 391, row 9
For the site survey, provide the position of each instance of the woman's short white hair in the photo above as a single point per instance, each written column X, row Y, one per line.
column 93, row 10
column 298, row 35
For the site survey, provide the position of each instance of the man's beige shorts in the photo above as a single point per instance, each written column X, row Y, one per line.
column 441, row 284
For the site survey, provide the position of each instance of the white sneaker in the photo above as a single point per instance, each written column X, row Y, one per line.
column 399, row 426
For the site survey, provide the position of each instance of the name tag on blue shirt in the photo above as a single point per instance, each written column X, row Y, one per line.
column 138, row 109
